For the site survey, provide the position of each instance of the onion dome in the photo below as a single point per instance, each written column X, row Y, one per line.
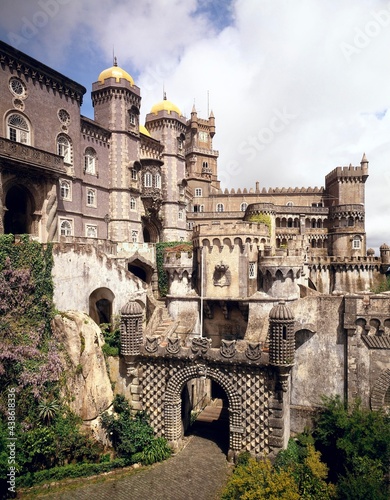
column 132, row 308
column 281, row 312
column 165, row 105
column 115, row 72
column 143, row 130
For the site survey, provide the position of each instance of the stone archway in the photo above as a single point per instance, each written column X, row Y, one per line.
column 100, row 305
column 172, row 406
column 380, row 391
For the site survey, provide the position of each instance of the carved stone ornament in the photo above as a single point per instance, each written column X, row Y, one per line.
column 151, row 344
column 173, row 346
column 200, row 345
column 228, row 348
column 202, row 371
column 253, row 351
column 222, row 275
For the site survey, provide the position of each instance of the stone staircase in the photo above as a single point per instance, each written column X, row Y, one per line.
column 166, row 325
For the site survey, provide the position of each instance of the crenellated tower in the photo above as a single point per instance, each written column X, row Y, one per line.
column 345, row 196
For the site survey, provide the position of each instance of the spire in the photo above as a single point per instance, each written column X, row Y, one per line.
column 364, row 160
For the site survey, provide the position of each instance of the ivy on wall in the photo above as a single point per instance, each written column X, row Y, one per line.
column 261, row 219
column 161, row 248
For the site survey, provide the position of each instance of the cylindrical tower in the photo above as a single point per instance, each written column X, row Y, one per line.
column 131, row 328
column 281, row 335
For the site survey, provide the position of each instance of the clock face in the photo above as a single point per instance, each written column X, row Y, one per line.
column 17, row 87
column 203, row 136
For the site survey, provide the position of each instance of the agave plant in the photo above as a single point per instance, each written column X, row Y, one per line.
column 48, row 410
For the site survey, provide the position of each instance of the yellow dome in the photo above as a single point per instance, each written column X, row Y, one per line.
column 165, row 105
column 144, row 130
column 117, row 73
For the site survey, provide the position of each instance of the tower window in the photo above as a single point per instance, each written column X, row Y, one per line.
column 180, row 215
column 203, row 136
column 220, row 207
column 64, row 148
column 65, row 190
column 133, row 204
column 90, row 231
column 91, row 197
column 148, row 179
column 66, row 227
column 243, row 207
column 357, row 243
column 90, row 161
column 198, row 192
column 157, row 181
column 252, row 270
column 134, row 236
column 18, row 129
column 134, row 174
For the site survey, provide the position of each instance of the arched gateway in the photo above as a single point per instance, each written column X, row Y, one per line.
column 256, row 384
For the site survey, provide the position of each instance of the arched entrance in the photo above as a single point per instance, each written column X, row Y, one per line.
column 19, row 208
column 205, row 411
column 151, row 229
column 100, row 305
column 173, row 412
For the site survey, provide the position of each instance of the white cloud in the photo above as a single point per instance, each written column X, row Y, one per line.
column 324, row 63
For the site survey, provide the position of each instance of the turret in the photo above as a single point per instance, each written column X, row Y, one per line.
column 131, row 329
column 281, row 335
column 194, row 120
column 212, row 124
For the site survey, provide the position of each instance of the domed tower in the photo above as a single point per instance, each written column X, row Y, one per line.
column 166, row 124
column 116, row 100
column 131, row 329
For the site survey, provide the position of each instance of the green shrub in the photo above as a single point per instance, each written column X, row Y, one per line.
column 67, row 472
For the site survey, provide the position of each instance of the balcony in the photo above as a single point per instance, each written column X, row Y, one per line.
column 20, row 157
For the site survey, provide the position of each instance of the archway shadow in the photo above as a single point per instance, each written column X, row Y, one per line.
column 212, row 424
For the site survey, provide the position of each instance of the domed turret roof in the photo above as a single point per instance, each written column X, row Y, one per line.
column 384, row 246
column 281, row 312
column 115, row 72
column 165, row 105
column 144, row 130
column 132, row 308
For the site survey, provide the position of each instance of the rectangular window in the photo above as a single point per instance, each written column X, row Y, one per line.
column 198, row 192
column 148, row 180
column 134, row 236
column 252, row 270
column 133, row 174
column 90, row 231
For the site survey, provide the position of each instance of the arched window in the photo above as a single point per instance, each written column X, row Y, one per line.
column 157, row 181
column 132, row 203
column 289, row 204
column 91, row 197
column 65, row 191
column 148, row 179
column 18, row 129
column 243, row 207
column 357, row 243
column 66, row 227
column 90, row 161
column 220, row 207
column 64, row 148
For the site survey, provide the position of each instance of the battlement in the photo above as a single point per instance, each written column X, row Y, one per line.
column 348, row 173
column 241, row 229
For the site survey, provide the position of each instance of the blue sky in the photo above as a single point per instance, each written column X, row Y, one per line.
column 297, row 88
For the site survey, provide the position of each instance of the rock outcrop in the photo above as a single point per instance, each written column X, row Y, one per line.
column 87, row 380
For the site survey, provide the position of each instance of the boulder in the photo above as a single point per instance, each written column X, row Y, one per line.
column 87, row 380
